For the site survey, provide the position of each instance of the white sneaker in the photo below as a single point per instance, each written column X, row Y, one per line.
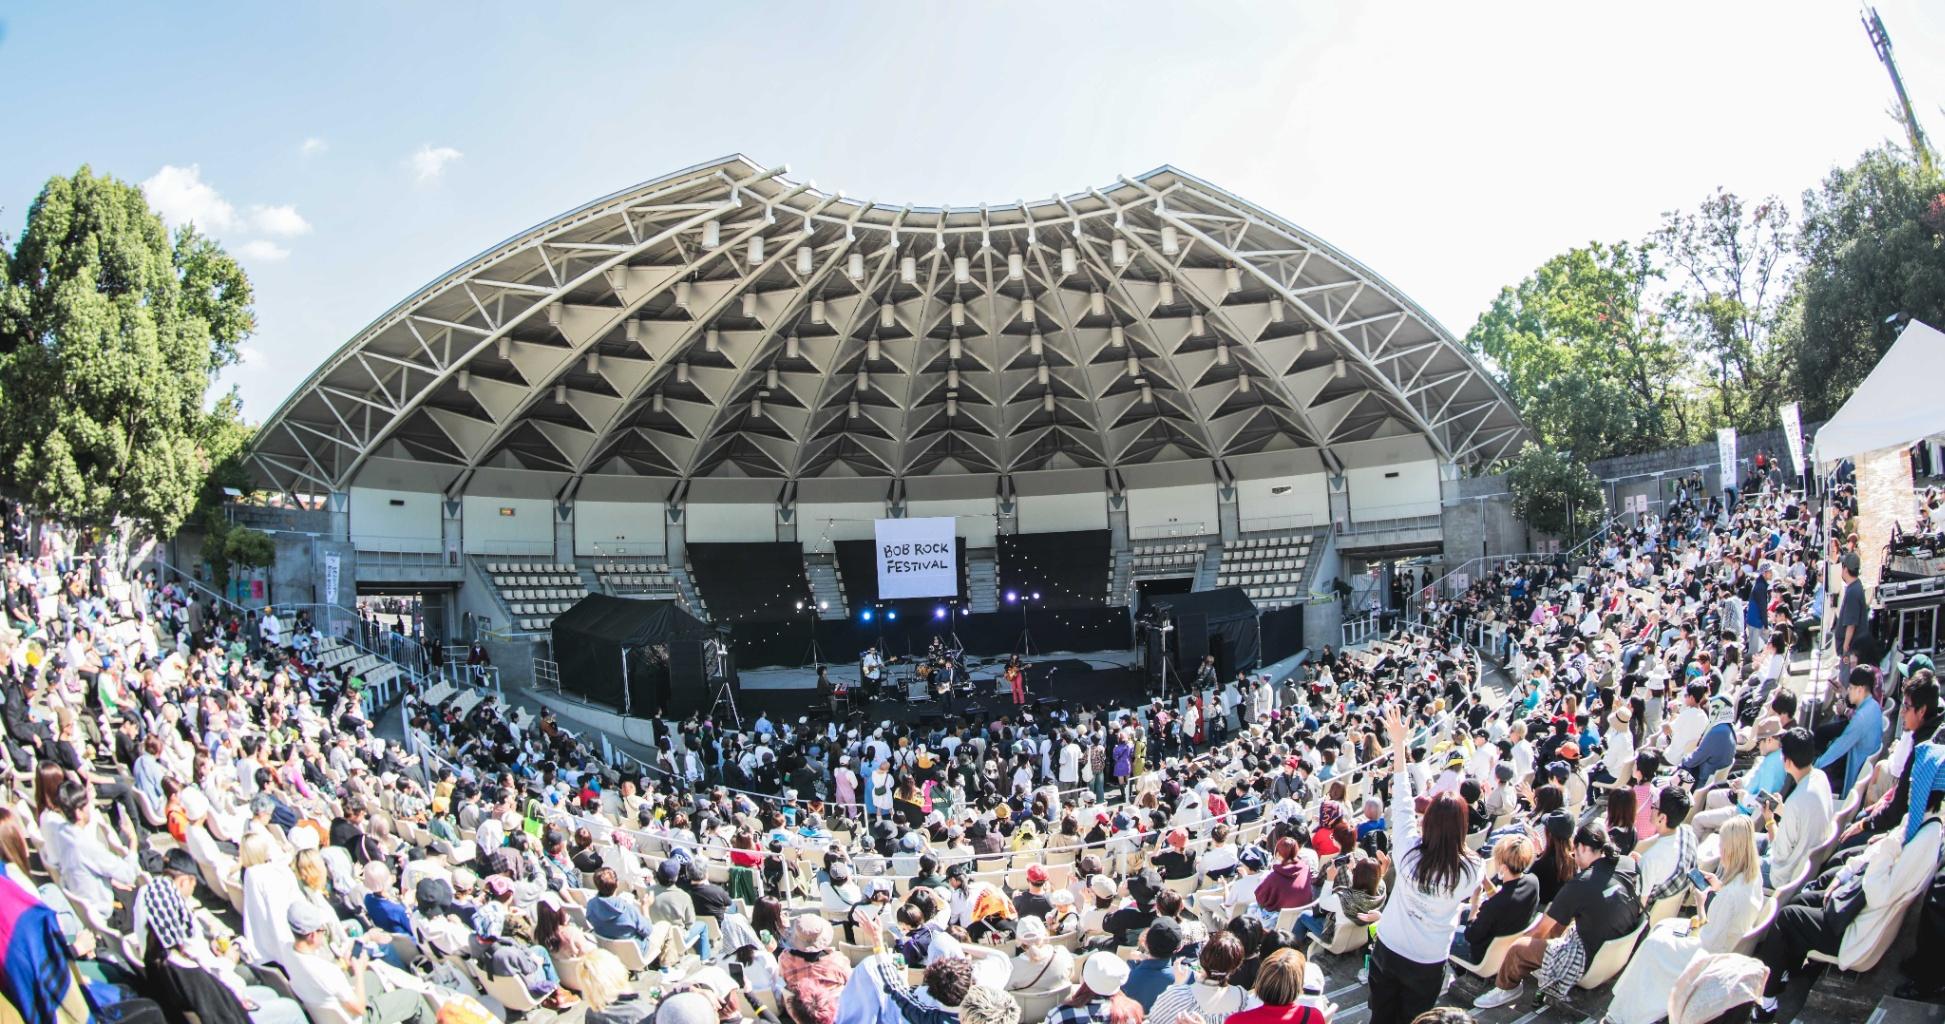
column 1498, row 997
column 1364, row 975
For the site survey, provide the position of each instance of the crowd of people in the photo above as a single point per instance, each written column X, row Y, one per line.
column 208, row 821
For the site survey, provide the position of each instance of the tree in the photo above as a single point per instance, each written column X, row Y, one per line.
column 1554, row 493
column 1730, row 264
column 227, row 547
column 110, row 335
column 1581, row 350
column 1873, row 246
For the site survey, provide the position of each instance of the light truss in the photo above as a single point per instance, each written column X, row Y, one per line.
column 822, row 336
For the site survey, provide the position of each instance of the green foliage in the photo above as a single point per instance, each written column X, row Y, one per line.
column 110, row 334
column 1583, row 352
column 249, row 549
column 1872, row 247
column 1554, row 493
column 1730, row 264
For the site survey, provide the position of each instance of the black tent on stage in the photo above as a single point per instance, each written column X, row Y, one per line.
column 638, row 657
column 1221, row 622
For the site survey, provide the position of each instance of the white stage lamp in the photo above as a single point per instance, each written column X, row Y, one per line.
column 712, row 341
column 1016, row 268
column 817, row 311
column 659, row 404
column 954, row 348
column 961, row 270
column 805, row 260
column 1222, row 354
column 1337, row 368
column 712, row 234
column 1070, row 261
column 1117, row 336
column 772, row 379
column 1276, row 311
column 594, row 362
column 1036, row 344
column 864, row 379
column 854, row 266
column 756, row 250
column 1045, row 373
column 792, row 348
column 958, row 314
column 1310, row 340
column 748, row 301
column 756, row 408
column 503, row 346
column 1232, row 279
column 851, row 409
column 1197, row 326
column 1147, row 394
column 632, row 330
column 1243, row 383
column 1047, row 401
column 1028, row 310
column 1171, row 244
column 1118, row 253
column 1097, row 303
column 1167, row 289
column 560, row 394
column 684, row 293
column 874, row 350
column 465, row 380
column 908, row 270
column 682, row 373
column 887, row 315
column 951, row 407
column 1134, row 366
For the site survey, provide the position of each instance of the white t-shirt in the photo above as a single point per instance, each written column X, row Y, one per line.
column 318, row 981
column 1070, row 763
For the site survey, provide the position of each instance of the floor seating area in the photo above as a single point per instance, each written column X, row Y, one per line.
column 534, row 592
column 646, row 579
column 1269, row 566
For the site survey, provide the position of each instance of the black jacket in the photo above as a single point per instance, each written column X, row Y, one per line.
column 1505, row 912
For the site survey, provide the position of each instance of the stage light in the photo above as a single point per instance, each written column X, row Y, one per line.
column 892, row 615
column 817, row 311
column 1232, row 279
column 1134, row 366
column 961, row 270
column 1276, row 311
column 1069, row 261
column 792, row 348
column 772, row 378
column 1222, row 354
column 958, row 314
column 804, row 258
column 682, row 373
column 465, row 380
column 712, row 234
column 864, row 379
column 1015, row 267
column 1242, row 383
column 503, row 346
column 1310, row 340
column 939, row 612
column 756, row 408
column 887, row 315
column 1012, row 596
column 874, row 350
column 712, row 341
column 1097, row 303
column 800, row 606
column 756, row 250
column 952, row 377
column 954, row 348
column 748, row 300
column 632, row 330
column 660, row 404
column 908, row 270
column 1117, row 337
column 594, row 362
column 684, row 293
column 1118, row 253
column 823, row 606
column 1197, row 325
column 1027, row 309
column 854, row 266
column 1036, row 595
column 865, row 615
column 1167, row 289
column 1337, row 368
column 560, row 394
column 1036, row 344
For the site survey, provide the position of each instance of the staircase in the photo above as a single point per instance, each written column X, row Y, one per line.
column 825, row 587
column 1121, row 579
column 982, row 575
column 1211, row 567
column 691, row 597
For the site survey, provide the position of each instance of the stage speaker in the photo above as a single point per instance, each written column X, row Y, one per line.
column 689, row 688
column 1191, row 643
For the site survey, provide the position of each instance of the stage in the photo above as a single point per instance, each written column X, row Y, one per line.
column 1100, row 679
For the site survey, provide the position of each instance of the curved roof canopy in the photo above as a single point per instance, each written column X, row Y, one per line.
column 724, row 321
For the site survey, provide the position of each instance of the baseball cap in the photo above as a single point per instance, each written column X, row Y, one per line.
column 307, row 918
column 1036, row 874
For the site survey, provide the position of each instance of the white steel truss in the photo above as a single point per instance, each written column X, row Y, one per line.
column 724, row 321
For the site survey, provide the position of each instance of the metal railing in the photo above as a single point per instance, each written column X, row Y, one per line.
column 375, row 697
column 547, row 675
column 1166, row 531
column 523, row 548
column 381, row 544
column 1277, row 524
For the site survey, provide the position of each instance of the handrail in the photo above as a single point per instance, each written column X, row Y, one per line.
column 408, row 673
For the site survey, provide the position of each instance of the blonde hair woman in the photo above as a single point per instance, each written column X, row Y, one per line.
column 605, row 988
column 1730, row 907
column 268, row 884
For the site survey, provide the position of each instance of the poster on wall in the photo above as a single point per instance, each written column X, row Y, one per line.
column 1725, row 449
column 1793, row 435
column 917, row 557
column 331, row 564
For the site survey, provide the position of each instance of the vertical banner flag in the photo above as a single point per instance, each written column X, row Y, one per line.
column 1793, row 435
column 1725, row 446
column 917, row 557
column 331, row 563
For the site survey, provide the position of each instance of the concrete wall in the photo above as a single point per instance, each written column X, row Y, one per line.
column 977, row 522
column 820, row 523
column 1170, row 511
column 613, row 528
column 388, row 520
column 732, row 521
column 1053, row 513
column 1397, row 491
column 1306, row 502
column 509, row 526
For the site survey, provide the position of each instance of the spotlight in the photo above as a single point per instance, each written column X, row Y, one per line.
column 1012, row 596
column 865, row 615
column 1036, row 595
column 800, row 606
column 892, row 615
column 823, row 606
column 939, row 612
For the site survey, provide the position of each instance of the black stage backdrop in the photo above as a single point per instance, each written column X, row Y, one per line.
column 787, row 643
column 1282, row 633
column 592, row 638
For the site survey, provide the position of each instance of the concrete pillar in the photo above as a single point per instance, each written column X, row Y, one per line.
column 564, row 532
column 1229, row 521
column 678, row 535
column 338, row 504
column 1118, row 537
column 1340, row 500
column 786, row 522
column 452, row 538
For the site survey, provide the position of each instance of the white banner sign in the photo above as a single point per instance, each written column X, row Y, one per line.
column 1793, row 435
column 331, row 579
column 1725, row 447
column 917, row 557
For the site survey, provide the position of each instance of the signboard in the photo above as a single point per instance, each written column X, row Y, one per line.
column 917, row 557
column 1793, row 435
column 1725, row 449
column 331, row 568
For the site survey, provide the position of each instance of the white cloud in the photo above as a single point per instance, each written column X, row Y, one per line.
column 430, row 161
column 249, row 355
column 313, row 146
column 263, row 251
column 181, row 196
column 283, row 221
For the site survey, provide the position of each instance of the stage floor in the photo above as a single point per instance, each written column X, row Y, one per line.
column 1096, row 678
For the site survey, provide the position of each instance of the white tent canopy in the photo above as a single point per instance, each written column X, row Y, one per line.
column 1896, row 405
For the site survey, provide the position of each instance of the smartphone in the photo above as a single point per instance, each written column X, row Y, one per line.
column 1697, row 879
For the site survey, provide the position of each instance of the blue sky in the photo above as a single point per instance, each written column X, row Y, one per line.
column 351, row 152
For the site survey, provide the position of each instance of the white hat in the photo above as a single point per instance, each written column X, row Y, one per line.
column 1104, row 973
